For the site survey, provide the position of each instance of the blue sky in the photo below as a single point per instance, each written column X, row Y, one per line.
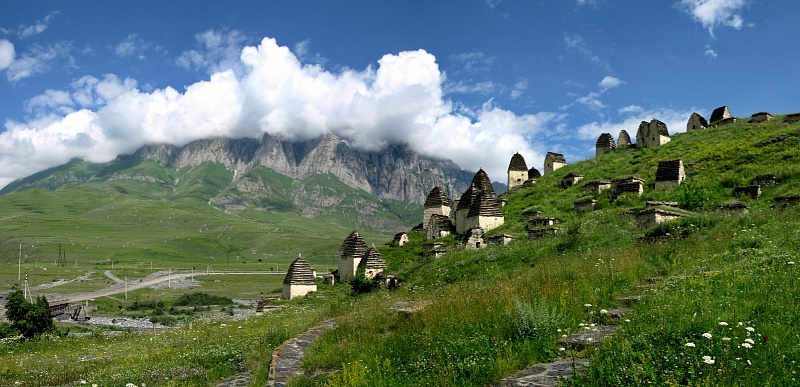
column 473, row 81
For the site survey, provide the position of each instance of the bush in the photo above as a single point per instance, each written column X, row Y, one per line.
column 26, row 318
column 361, row 284
column 201, row 299
column 532, row 320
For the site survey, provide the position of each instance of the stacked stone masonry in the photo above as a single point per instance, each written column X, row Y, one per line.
column 696, row 122
column 596, row 187
column 753, row 191
column 350, row 254
column 654, row 133
column 553, row 161
column 669, row 174
column 624, row 139
column 517, row 171
column 605, row 143
column 299, row 280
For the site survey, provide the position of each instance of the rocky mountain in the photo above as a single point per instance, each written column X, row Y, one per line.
column 395, row 173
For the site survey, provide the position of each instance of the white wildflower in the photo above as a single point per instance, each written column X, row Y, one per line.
column 726, row 339
column 707, row 335
column 749, row 340
column 562, row 349
column 790, row 263
column 603, row 311
column 690, row 345
column 747, row 345
column 587, row 305
column 708, row 360
column 750, row 329
column 723, row 323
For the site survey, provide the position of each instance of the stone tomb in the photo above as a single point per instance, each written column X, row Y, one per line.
column 669, row 174
column 760, row 117
column 400, row 239
column 765, row 180
column 596, row 187
column 654, row 133
column 570, row 179
column 735, row 207
column 624, row 139
column 475, row 239
column 539, row 233
column 372, row 263
column 585, row 205
column 433, row 249
column 792, row 117
column 350, row 254
column 605, row 143
column 439, row 226
column 654, row 216
column 517, row 171
column 502, row 239
column 628, row 184
column 783, row 202
column 753, row 191
column 539, row 221
column 719, row 114
column 553, row 161
column 436, row 203
column 299, row 280
column 530, row 214
column 696, row 122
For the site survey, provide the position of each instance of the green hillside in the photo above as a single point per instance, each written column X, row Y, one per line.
column 136, row 212
column 499, row 310
column 720, row 291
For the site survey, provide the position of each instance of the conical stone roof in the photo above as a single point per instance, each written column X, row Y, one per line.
column 534, row 173
column 353, row 246
column 300, row 273
column 372, row 260
column 517, row 163
column 606, row 141
column 485, row 205
column 466, row 198
column 481, row 181
column 624, row 138
column 437, row 198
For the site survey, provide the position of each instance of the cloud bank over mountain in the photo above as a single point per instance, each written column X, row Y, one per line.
column 267, row 89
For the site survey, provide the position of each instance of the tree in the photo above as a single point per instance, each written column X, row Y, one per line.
column 27, row 318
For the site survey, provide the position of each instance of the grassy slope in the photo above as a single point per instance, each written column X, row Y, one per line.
column 498, row 310
column 137, row 213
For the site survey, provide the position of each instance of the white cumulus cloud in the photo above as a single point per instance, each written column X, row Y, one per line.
column 7, row 53
column 401, row 99
column 711, row 13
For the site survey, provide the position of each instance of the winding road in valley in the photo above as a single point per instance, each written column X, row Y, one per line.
column 152, row 280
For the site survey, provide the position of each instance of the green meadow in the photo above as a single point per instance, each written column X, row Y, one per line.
column 719, row 304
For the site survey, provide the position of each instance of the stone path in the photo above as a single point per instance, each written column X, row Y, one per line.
column 544, row 375
column 287, row 358
column 238, row 380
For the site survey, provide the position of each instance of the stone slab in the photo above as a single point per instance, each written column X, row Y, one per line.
column 589, row 337
column 545, row 374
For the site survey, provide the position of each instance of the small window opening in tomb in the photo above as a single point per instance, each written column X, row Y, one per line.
column 654, row 138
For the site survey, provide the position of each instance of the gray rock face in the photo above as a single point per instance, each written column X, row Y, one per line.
column 397, row 172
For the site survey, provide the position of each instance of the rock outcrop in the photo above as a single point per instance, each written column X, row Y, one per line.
column 397, row 172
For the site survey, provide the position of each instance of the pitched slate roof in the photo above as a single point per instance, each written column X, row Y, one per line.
column 485, row 205
column 700, row 119
column 534, row 173
column 662, row 127
column 372, row 259
column 437, row 198
column 669, row 170
column 624, row 138
column 719, row 114
column 300, row 273
column 556, row 157
column 517, row 163
column 353, row 246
